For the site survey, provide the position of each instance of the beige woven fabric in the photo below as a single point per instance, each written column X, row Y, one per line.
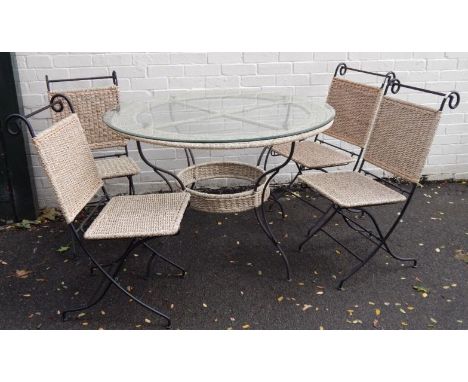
column 314, row 155
column 90, row 105
column 351, row 189
column 356, row 106
column 116, row 167
column 140, row 216
column 224, row 203
column 402, row 137
column 69, row 165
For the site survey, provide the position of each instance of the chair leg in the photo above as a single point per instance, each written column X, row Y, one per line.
column 73, row 244
column 105, row 284
column 359, row 266
column 131, row 186
column 299, row 172
column 111, row 280
column 383, row 243
column 267, row 157
column 106, row 194
column 324, row 219
column 155, row 254
column 278, row 203
column 385, row 238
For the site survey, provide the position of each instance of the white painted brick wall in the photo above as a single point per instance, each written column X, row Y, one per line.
column 142, row 75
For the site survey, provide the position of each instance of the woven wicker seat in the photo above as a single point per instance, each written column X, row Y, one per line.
column 314, row 155
column 116, row 167
column 351, row 189
column 139, row 216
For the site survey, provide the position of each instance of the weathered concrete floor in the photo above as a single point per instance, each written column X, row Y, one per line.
column 236, row 280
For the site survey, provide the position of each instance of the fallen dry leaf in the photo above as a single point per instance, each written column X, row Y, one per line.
column 423, row 290
column 22, row 273
column 377, row 312
column 461, row 255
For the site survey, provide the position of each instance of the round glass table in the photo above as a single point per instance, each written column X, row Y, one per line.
column 223, row 120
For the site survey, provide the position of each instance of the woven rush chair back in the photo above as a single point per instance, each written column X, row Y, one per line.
column 69, row 165
column 402, row 137
column 90, row 105
column 356, row 106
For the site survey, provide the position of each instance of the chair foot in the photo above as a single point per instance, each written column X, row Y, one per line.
column 414, row 261
column 155, row 254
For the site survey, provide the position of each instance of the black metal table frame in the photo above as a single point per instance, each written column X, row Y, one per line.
column 259, row 211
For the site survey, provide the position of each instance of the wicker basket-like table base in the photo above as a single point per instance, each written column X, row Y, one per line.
column 224, row 203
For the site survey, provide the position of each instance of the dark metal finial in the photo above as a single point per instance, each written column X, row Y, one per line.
column 453, row 100
column 341, row 69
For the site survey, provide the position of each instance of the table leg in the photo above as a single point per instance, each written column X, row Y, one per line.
column 260, row 210
column 160, row 171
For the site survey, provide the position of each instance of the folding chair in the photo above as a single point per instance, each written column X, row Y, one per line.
column 355, row 105
column 72, row 171
column 90, row 105
column 399, row 143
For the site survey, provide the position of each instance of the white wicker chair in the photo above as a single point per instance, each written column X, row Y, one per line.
column 69, row 164
column 399, row 143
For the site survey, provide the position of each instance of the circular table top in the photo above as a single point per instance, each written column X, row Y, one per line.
column 227, row 119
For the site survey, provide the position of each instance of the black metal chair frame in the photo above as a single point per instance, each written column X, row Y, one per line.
column 379, row 237
column 77, row 230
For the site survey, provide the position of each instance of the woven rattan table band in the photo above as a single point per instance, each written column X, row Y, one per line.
column 224, row 203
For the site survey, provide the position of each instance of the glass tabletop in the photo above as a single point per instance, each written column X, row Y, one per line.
column 223, row 119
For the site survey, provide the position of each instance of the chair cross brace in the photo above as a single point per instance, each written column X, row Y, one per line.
column 380, row 239
column 110, row 277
